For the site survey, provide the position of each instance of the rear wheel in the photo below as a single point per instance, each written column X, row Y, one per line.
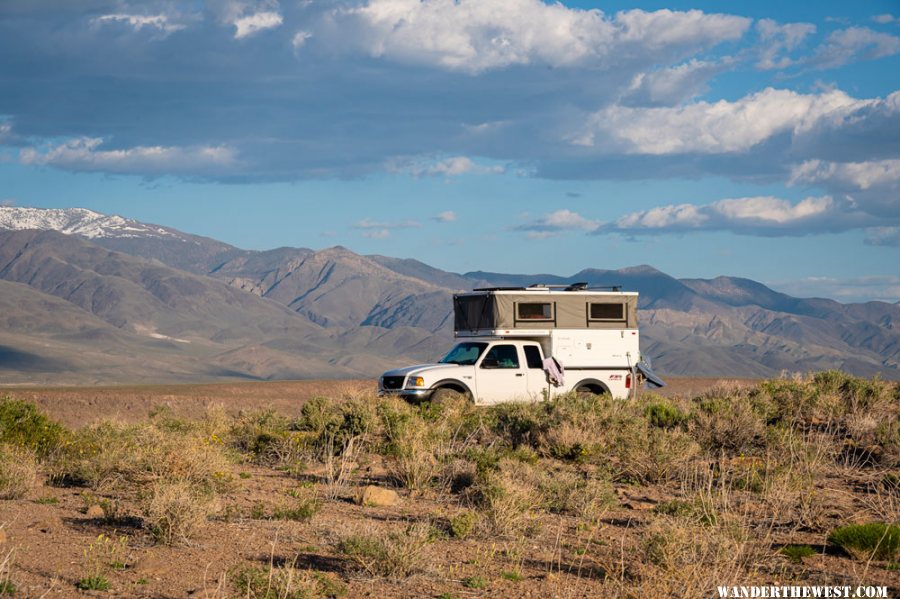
column 587, row 390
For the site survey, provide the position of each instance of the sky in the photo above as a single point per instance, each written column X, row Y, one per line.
column 753, row 139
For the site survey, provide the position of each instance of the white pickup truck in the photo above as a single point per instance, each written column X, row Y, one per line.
column 507, row 335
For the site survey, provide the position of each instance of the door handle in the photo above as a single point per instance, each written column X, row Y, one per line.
column 519, row 374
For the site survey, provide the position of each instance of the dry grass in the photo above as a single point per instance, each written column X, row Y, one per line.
column 18, row 471
column 175, row 510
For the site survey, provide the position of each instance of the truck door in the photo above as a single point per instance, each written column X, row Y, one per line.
column 534, row 372
column 500, row 376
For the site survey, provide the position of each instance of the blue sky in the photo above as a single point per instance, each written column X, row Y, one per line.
column 753, row 139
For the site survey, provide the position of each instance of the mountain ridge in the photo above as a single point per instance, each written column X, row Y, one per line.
column 209, row 309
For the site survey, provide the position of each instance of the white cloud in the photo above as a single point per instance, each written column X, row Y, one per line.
column 447, row 216
column 85, row 154
column 848, row 175
column 474, row 35
column 762, row 215
column 885, row 19
column 672, row 85
column 376, row 233
column 251, row 24
column 847, row 45
column 299, row 39
column 160, row 22
column 712, row 128
column 776, row 38
column 450, row 167
column 558, row 222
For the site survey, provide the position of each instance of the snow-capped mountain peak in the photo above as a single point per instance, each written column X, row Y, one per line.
column 77, row 221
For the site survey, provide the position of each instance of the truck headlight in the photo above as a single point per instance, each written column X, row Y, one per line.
column 415, row 381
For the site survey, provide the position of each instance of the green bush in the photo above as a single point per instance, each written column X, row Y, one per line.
column 23, row 425
column 462, row 525
column 874, row 540
column 663, row 414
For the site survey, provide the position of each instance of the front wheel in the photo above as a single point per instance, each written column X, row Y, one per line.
column 447, row 395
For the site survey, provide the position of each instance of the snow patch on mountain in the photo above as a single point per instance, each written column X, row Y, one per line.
column 77, row 221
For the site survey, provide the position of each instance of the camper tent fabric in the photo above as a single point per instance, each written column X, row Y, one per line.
column 490, row 311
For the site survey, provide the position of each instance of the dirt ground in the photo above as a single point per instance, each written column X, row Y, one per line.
column 46, row 536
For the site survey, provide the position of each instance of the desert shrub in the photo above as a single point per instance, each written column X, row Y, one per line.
column 874, row 540
column 304, row 505
column 284, row 582
column 664, row 414
column 463, row 524
column 728, row 424
column 648, row 454
column 796, row 553
column 174, row 510
column 18, row 471
column 887, row 436
column 582, row 496
column 22, row 424
column 508, row 497
column 259, row 435
column 392, row 554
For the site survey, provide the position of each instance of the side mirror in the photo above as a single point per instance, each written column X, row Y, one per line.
column 490, row 363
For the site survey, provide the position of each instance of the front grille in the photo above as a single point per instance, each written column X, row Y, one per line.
column 393, row 382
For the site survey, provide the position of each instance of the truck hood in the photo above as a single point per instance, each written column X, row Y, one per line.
column 418, row 368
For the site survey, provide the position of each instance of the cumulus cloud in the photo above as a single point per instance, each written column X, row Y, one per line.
column 776, row 38
column 447, row 216
column 558, row 222
column 450, row 167
column 248, row 17
column 161, row 22
column 848, row 175
column 762, row 215
column 671, row 85
column 252, row 24
column 474, row 36
column 712, row 127
column 854, row 43
column 85, row 154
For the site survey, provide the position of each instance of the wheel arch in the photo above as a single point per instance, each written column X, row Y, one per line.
column 593, row 385
column 455, row 385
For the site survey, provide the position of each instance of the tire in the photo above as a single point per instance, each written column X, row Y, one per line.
column 588, row 391
column 447, row 395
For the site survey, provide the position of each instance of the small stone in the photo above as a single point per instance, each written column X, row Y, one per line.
column 373, row 496
column 95, row 512
column 3, row 536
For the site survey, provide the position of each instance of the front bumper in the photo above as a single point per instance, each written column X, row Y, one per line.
column 408, row 394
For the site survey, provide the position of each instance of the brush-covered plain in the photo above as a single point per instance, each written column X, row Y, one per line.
column 785, row 481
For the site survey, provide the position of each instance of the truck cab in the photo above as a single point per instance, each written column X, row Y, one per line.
column 532, row 343
column 487, row 370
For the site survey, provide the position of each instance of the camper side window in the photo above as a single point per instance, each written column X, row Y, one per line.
column 534, row 311
column 606, row 312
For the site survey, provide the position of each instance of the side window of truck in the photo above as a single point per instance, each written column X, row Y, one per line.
column 533, row 357
column 501, row 356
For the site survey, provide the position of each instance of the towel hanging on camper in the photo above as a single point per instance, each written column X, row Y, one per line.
column 555, row 371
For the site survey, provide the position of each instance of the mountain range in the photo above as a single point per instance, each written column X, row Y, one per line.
column 89, row 298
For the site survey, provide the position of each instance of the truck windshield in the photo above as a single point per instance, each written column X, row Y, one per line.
column 464, row 354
